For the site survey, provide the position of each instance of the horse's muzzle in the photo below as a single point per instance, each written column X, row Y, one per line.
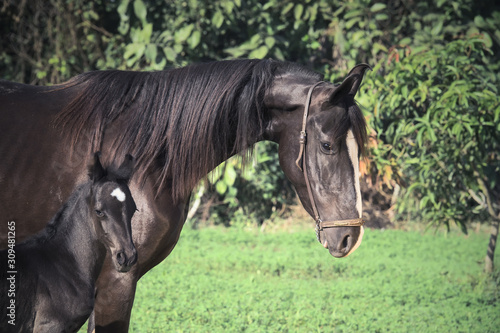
column 124, row 261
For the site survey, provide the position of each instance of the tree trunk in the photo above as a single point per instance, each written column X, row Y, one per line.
column 490, row 254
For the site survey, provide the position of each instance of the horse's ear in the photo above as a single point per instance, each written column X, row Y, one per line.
column 96, row 171
column 126, row 169
column 350, row 85
column 359, row 69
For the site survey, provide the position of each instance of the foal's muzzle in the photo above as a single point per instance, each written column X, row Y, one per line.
column 124, row 261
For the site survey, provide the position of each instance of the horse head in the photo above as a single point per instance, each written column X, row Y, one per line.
column 321, row 134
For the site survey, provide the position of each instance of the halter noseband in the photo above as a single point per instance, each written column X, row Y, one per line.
column 301, row 163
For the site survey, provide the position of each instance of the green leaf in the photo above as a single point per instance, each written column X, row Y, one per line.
column 178, row 48
column 124, row 18
column 143, row 35
column 235, row 52
column 381, row 17
column 151, row 52
column 437, row 28
column 480, row 22
column 269, row 41
column 297, row 11
column 122, row 8
column 133, row 52
column 423, row 202
column 146, row 32
column 488, row 42
column 349, row 24
column 259, row 53
column 134, row 49
column 123, row 28
column 287, row 8
column 313, row 12
column 378, row 46
column 353, row 13
column 170, row 54
column 405, row 41
column 278, row 54
column 404, row 91
column 377, row 7
column 230, row 175
column 195, row 39
column 218, row 19
column 414, row 160
column 183, row 33
column 228, row 6
column 221, row 187
column 140, row 11
column 41, row 74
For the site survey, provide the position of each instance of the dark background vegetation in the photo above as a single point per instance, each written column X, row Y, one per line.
column 431, row 100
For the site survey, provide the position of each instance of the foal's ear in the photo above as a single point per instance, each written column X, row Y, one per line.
column 350, row 85
column 126, row 169
column 96, row 171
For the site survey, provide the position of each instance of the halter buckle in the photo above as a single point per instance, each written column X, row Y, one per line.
column 318, row 229
column 303, row 137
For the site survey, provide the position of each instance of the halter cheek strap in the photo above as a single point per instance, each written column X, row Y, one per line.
column 301, row 163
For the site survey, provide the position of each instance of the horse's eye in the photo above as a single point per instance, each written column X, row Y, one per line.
column 327, row 148
column 99, row 213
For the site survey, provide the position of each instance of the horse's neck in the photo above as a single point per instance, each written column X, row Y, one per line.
column 75, row 235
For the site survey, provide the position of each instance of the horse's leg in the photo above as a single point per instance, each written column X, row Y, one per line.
column 114, row 299
column 91, row 323
column 116, row 291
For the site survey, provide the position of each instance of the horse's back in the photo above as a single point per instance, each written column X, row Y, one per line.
column 33, row 158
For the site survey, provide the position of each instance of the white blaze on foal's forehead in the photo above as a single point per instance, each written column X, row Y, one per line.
column 118, row 194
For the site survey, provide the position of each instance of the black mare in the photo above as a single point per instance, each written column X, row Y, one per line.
column 179, row 124
column 49, row 283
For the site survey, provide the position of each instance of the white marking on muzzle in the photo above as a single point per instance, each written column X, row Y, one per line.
column 118, row 194
column 352, row 148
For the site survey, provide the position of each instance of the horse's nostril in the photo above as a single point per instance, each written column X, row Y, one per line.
column 121, row 258
column 345, row 242
column 133, row 258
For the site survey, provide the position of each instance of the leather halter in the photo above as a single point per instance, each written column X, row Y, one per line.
column 301, row 163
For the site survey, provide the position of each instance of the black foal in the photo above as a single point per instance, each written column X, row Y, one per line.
column 47, row 282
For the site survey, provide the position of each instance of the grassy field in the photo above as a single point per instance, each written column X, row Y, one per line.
column 231, row 280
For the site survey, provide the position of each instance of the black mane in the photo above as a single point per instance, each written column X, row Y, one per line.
column 180, row 122
column 186, row 120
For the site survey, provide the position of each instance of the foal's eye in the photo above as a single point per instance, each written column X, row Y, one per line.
column 327, row 148
column 99, row 213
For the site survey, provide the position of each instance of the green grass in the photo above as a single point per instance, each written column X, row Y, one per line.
column 231, row 280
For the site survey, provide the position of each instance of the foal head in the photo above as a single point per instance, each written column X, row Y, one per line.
column 112, row 207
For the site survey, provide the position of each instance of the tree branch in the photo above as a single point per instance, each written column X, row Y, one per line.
column 479, row 200
column 486, row 192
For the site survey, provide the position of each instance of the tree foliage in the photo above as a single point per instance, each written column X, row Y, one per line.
column 438, row 111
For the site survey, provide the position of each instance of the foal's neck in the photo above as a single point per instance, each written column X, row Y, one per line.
column 75, row 234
